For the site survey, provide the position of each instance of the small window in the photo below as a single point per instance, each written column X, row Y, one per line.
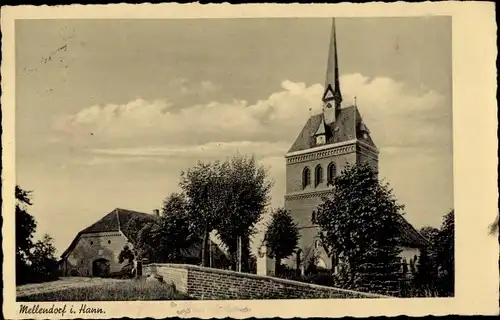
column 318, row 175
column 82, row 262
column 91, row 242
column 313, row 217
column 109, row 241
column 306, row 177
column 332, row 172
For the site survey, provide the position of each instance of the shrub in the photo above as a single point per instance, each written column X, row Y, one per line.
column 322, row 279
column 126, row 272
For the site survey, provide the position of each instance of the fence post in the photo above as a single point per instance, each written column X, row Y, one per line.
column 239, row 254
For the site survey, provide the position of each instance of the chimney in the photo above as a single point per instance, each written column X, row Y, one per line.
column 156, row 212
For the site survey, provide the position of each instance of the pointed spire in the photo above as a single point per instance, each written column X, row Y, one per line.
column 332, row 98
column 332, row 71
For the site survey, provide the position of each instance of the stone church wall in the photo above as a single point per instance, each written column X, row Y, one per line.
column 216, row 284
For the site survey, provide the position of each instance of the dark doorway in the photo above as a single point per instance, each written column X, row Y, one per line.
column 100, row 268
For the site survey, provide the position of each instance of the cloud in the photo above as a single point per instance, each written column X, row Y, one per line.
column 184, row 86
column 398, row 117
column 207, row 150
column 100, row 160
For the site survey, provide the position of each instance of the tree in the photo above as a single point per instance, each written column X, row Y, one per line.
column 134, row 226
column 359, row 223
column 203, row 187
column 175, row 204
column 25, row 230
column 164, row 239
column 148, row 244
column 43, row 260
column 282, row 236
column 25, row 224
column 426, row 274
column 245, row 195
column 126, row 254
column 446, row 254
column 35, row 261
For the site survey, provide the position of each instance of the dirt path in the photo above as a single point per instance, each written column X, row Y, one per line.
column 61, row 284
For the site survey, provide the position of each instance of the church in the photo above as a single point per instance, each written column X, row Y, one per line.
column 327, row 143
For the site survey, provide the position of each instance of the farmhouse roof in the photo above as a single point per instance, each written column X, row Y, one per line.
column 115, row 221
column 408, row 235
column 348, row 126
column 118, row 221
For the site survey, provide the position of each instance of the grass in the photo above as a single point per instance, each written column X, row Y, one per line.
column 132, row 290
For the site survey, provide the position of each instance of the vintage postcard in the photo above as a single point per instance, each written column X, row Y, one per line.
column 249, row 161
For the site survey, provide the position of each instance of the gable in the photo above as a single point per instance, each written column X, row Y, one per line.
column 115, row 221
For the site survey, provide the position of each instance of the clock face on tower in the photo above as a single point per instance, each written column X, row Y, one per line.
column 328, row 105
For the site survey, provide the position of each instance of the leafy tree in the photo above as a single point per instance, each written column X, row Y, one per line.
column 35, row 261
column 25, row 230
column 282, row 236
column 446, row 254
column 430, row 233
column 164, row 239
column 43, row 260
column 246, row 195
column 359, row 223
column 149, row 244
column 204, row 189
column 177, row 207
column 175, row 204
column 126, row 254
column 426, row 274
column 135, row 225
column 25, row 224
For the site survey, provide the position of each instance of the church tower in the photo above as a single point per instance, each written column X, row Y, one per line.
column 327, row 143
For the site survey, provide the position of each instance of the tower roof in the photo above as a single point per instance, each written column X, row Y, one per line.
column 342, row 130
column 339, row 125
column 349, row 126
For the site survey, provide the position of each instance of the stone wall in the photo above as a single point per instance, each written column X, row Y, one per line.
column 215, row 284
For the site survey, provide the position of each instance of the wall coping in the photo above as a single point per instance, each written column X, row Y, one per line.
column 261, row 277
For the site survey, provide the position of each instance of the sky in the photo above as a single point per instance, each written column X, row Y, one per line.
column 109, row 112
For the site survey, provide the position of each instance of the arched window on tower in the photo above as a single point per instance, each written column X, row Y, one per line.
column 306, row 177
column 332, row 172
column 318, row 175
column 313, row 217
